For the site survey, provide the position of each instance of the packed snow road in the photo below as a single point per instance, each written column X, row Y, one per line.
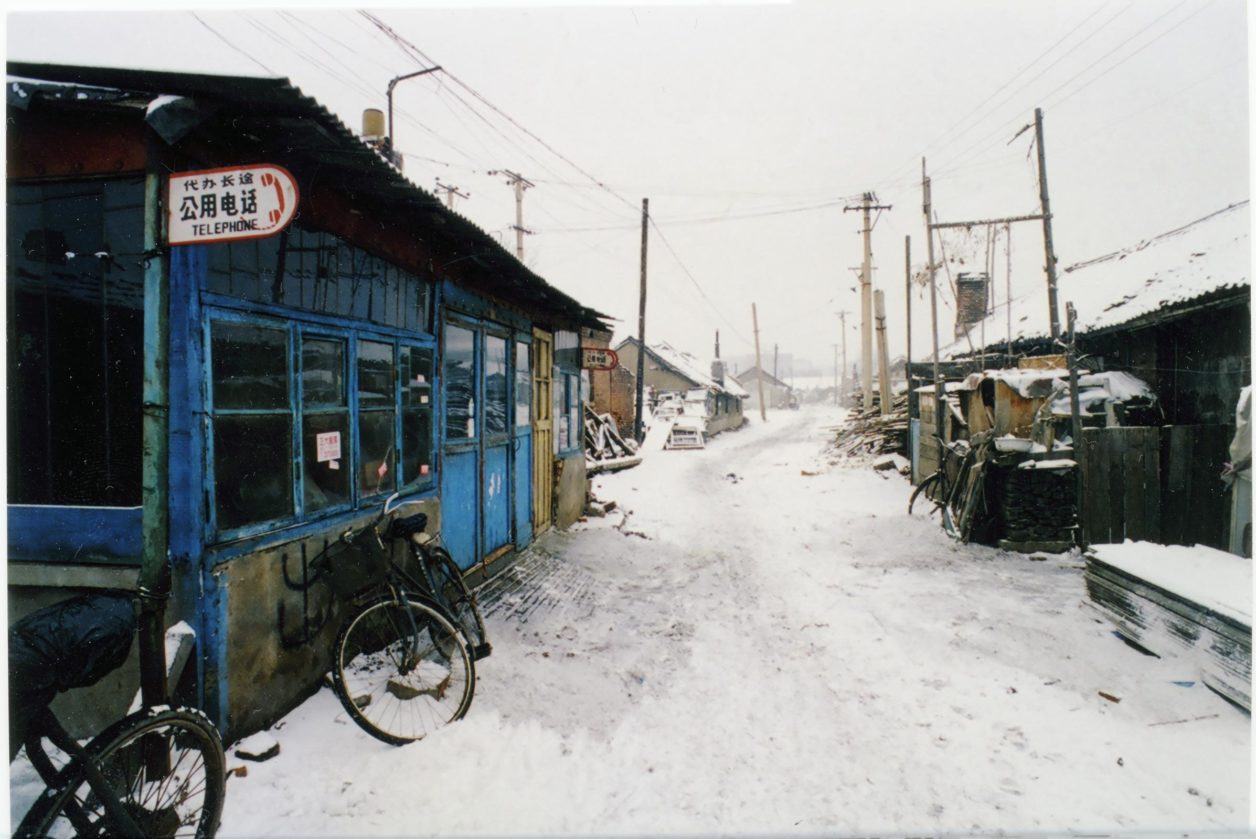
column 758, row 640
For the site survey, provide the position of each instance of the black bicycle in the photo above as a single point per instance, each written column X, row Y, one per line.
column 404, row 661
column 159, row 772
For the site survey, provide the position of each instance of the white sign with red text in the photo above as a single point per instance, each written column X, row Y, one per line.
column 230, row 203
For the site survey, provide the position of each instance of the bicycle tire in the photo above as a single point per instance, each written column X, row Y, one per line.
column 185, row 801
column 922, row 489
column 402, row 670
column 450, row 590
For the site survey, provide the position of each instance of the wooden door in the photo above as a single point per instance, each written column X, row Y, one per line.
column 542, row 428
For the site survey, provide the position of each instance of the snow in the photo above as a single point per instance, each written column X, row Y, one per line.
column 760, row 640
column 1049, row 465
column 1214, row 579
column 162, row 101
column 1205, row 255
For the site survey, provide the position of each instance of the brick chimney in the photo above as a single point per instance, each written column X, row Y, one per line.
column 973, row 291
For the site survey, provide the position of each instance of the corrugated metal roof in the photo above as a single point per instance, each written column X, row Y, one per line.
column 1201, row 260
column 260, row 115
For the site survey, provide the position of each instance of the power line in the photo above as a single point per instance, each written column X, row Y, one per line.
column 694, row 280
column 231, row 44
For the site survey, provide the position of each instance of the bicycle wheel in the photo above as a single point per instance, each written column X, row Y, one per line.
column 924, row 488
column 451, row 592
column 402, row 670
column 165, row 769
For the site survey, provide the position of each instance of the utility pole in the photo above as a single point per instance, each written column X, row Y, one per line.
column 865, row 294
column 754, row 314
column 775, row 350
column 842, row 386
column 939, row 389
column 450, row 191
column 837, row 374
column 883, row 353
column 1047, row 239
column 907, row 270
column 520, row 183
column 1079, row 439
column 636, row 423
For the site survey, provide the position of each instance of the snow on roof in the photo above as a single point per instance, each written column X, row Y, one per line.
column 691, row 368
column 1207, row 255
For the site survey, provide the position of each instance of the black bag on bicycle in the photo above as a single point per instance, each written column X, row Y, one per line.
column 70, row 644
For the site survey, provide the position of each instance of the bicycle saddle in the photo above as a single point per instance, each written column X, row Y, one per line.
column 410, row 525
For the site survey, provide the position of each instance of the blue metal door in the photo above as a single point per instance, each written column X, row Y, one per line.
column 477, row 493
column 495, row 478
column 522, row 440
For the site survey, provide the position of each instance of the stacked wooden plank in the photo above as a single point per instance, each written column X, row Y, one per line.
column 1190, row 603
column 866, row 432
column 1039, row 506
column 605, row 450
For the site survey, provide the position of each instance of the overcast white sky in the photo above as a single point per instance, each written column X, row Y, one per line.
column 751, row 127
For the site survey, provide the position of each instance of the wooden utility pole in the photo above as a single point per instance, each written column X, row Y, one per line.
column 939, row 389
column 1079, row 443
column 1048, row 241
column 883, row 353
column 450, row 191
column 907, row 289
column 775, row 351
column 637, row 433
column 865, row 294
column 520, row 183
column 754, row 314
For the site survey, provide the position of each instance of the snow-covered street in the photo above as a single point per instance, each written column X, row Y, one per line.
column 758, row 640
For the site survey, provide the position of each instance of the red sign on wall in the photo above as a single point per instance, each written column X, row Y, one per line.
column 597, row 358
column 233, row 202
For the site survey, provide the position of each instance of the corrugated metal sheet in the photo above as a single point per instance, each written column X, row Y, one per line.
column 260, row 115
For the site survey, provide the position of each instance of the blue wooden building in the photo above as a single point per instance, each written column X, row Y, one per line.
column 233, row 405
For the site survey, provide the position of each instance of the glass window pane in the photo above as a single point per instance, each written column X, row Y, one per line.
column 250, row 365
column 416, row 373
column 416, row 443
column 377, row 447
column 523, row 385
column 323, row 372
column 252, row 469
column 495, row 382
column 375, row 374
column 459, row 369
column 324, row 439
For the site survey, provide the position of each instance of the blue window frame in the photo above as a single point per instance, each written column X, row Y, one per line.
column 308, row 419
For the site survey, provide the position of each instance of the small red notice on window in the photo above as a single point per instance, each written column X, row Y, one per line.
column 423, row 469
column 328, row 445
column 383, row 469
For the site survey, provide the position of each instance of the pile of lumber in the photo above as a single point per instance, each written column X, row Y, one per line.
column 605, row 450
column 1192, row 604
column 867, row 433
column 1039, row 507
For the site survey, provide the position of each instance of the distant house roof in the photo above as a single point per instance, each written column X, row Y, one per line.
column 1207, row 259
column 251, row 118
column 747, row 376
column 687, row 366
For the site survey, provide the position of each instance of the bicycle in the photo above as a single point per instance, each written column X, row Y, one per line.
column 158, row 772
column 404, row 661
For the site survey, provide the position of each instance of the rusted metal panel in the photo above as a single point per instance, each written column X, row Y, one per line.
column 59, row 145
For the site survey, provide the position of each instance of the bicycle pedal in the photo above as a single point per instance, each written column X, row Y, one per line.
column 480, row 651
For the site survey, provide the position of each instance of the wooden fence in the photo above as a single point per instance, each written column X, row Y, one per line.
column 1156, row 484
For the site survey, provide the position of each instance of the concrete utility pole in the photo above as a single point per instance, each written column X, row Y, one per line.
column 842, row 385
column 754, row 314
column 939, row 389
column 1048, row 241
column 450, row 191
column 882, row 353
column 865, row 294
column 837, row 374
column 520, row 183
column 637, row 433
